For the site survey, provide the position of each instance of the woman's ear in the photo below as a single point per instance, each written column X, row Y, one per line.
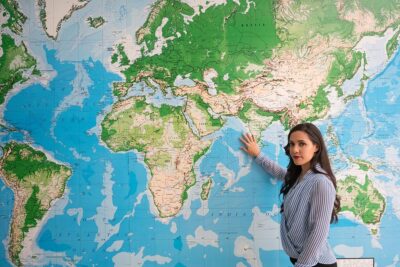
column 316, row 148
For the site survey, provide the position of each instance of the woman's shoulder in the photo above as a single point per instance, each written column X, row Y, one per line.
column 322, row 181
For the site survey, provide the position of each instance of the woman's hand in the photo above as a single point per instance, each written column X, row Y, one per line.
column 251, row 147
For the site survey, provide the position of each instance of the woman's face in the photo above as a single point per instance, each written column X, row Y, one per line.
column 302, row 149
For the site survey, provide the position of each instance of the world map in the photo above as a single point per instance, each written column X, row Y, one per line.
column 120, row 125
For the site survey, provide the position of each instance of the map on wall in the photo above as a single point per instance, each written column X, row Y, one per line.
column 120, row 125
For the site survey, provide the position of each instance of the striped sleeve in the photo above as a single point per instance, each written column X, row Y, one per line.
column 271, row 167
column 321, row 206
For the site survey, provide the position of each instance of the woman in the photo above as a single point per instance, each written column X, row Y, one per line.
column 310, row 202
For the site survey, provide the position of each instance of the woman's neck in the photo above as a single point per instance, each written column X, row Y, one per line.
column 304, row 169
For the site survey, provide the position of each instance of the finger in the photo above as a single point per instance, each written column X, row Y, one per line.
column 244, row 149
column 243, row 141
column 250, row 137
column 247, row 137
column 254, row 139
column 244, row 138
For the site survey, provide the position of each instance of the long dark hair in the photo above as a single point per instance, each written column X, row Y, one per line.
column 320, row 157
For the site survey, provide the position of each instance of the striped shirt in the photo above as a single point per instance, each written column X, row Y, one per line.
column 306, row 217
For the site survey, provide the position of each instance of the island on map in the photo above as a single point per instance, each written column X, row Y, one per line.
column 205, row 189
column 10, row 14
column 95, row 22
column 54, row 13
